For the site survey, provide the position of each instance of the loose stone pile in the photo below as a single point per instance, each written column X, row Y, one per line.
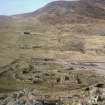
column 23, row 97
column 94, row 95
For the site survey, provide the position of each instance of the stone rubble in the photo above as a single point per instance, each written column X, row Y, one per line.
column 93, row 96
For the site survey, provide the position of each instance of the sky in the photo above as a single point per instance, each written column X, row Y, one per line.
column 12, row 7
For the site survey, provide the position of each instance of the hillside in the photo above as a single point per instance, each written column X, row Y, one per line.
column 58, row 49
column 69, row 11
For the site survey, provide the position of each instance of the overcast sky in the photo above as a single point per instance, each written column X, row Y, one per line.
column 11, row 7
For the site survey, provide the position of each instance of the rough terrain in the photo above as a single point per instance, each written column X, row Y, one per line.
column 58, row 51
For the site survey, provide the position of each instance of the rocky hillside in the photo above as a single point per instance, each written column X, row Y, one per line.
column 70, row 11
column 56, row 50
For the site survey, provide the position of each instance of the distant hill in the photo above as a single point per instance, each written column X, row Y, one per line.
column 70, row 11
column 66, row 12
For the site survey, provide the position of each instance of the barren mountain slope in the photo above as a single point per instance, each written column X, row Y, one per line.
column 58, row 47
